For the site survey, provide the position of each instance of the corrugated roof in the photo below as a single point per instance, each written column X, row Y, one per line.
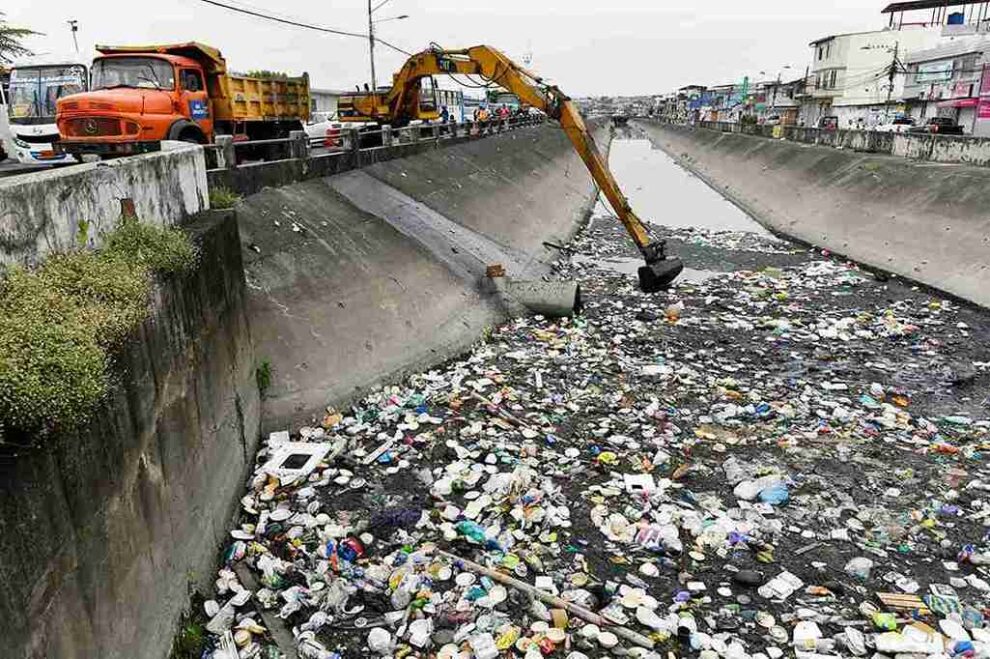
column 927, row 4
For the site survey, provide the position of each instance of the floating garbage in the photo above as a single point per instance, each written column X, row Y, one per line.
column 778, row 460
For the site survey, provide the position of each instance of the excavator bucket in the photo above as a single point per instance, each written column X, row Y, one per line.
column 659, row 275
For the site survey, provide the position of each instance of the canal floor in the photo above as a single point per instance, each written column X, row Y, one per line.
column 784, row 449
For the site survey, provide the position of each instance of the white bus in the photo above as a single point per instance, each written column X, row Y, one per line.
column 6, row 142
column 36, row 84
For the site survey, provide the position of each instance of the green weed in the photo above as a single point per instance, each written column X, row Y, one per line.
column 60, row 322
column 223, row 198
column 263, row 376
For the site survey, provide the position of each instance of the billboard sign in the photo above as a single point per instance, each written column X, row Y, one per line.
column 934, row 72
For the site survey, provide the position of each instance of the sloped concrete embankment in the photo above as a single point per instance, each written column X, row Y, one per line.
column 103, row 528
column 919, row 220
column 356, row 278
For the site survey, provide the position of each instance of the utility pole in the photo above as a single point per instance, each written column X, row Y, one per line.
column 372, row 8
column 74, row 26
column 890, row 83
column 371, row 44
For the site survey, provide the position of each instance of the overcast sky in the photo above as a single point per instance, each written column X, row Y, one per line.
column 586, row 47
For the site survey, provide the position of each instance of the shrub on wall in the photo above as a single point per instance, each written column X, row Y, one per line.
column 60, row 322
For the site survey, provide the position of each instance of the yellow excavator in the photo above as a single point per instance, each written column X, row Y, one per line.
column 404, row 103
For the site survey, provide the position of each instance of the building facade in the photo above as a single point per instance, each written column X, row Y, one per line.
column 850, row 76
column 946, row 81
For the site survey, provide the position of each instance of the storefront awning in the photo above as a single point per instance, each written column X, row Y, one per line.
column 959, row 103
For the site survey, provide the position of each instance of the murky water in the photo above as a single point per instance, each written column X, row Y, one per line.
column 630, row 266
column 663, row 193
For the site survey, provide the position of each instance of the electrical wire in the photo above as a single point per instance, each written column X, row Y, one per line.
column 296, row 23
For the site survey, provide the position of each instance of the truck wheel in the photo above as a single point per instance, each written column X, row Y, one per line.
column 186, row 131
column 192, row 137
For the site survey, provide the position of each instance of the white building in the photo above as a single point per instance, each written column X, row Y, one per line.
column 325, row 100
column 850, row 74
column 868, row 77
column 946, row 82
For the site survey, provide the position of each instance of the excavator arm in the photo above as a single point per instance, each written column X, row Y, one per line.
column 400, row 105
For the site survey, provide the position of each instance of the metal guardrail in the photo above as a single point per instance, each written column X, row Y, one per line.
column 228, row 153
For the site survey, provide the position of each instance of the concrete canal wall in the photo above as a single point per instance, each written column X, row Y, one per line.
column 44, row 211
column 929, row 222
column 103, row 529
column 959, row 149
column 355, row 279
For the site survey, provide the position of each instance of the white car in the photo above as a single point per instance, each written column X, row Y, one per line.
column 900, row 125
column 323, row 129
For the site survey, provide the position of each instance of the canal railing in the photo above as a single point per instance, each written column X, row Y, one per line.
column 247, row 166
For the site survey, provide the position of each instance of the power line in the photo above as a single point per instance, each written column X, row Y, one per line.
column 295, row 23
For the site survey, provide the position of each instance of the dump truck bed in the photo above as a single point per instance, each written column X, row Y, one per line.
column 236, row 97
column 243, row 98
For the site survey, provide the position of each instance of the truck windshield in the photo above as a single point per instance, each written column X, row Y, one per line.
column 35, row 90
column 137, row 72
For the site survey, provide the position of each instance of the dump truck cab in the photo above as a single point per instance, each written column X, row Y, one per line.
column 143, row 95
column 138, row 98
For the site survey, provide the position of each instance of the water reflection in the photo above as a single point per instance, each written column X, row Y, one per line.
column 661, row 192
column 629, row 266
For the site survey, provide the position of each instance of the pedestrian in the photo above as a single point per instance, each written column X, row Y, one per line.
column 444, row 119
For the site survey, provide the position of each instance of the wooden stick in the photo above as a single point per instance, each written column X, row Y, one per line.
column 547, row 598
column 501, row 411
column 277, row 627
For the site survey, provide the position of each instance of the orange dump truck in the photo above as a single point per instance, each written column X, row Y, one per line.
column 141, row 95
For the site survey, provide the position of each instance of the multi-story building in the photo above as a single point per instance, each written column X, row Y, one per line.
column 946, row 81
column 783, row 101
column 850, row 74
column 866, row 78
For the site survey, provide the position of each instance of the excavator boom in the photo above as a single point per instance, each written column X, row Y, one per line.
column 400, row 105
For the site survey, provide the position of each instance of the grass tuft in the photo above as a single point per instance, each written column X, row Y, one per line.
column 223, row 198
column 263, row 376
column 60, row 322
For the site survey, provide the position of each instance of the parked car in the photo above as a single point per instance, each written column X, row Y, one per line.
column 940, row 125
column 829, row 123
column 323, row 126
column 898, row 125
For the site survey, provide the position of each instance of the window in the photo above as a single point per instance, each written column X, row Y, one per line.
column 34, row 91
column 821, row 52
column 835, row 74
column 191, row 80
column 137, row 72
column 828, row 50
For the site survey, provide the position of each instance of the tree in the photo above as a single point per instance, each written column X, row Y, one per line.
column 10, row 40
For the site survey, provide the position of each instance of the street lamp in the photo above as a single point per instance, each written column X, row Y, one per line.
column 74, row 27
column 372, row 8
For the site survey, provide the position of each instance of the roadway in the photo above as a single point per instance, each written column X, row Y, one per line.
column 11, row 167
